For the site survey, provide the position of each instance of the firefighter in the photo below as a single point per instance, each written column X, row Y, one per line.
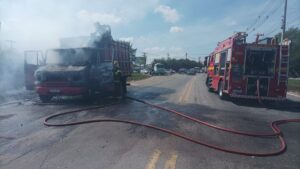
column 117, row 71
column 118, row 79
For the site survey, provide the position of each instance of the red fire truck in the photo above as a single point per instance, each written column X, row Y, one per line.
column 248, row 70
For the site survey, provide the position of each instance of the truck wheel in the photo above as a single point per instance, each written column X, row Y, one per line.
column 220, row 90
column 124, row 84
column 208, row 85
column 122, row 91
column 45, row 98
column 89, row 96
column 119, row 89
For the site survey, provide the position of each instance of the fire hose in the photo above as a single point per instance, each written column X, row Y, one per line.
column 274, row 126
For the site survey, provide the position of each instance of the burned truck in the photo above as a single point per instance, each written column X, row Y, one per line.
column 100, row 68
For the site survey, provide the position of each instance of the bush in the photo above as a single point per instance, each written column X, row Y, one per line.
column 138, row 76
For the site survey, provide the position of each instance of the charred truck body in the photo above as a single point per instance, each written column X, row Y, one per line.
column 100, row 68
column 248, row 70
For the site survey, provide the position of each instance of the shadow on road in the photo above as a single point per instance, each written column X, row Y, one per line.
column 287, row 105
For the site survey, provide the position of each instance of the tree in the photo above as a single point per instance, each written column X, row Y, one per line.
column 176, row 64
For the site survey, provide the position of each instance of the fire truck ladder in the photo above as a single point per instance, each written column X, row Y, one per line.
column 284, row 63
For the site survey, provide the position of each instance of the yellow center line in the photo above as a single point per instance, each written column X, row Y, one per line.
column 188, row 93
column 153, row 159
column 171, row 162
column 184, row 91
column 187, row 90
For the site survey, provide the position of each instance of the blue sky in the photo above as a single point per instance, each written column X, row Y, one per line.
column 156, row 27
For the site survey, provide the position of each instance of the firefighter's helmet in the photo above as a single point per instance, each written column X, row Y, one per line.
column 116, row 62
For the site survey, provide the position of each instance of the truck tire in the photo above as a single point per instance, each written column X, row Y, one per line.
column 220, row 90
column 208, row 85
column 89, row 96
column 45, row 98
column 206, row 82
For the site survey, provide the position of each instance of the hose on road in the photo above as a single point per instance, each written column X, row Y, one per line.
column 274, row 126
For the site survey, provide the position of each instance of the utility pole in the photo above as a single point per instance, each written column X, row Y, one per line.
column 186, row 55
column 0, row 34
column 283, row 26
column 145, row 57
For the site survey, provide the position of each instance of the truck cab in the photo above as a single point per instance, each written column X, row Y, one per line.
column 74, row 71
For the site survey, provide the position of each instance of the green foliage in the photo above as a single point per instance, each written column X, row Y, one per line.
column 138, row 76
column 294, row 85
column 141, row 60
column 176, row 64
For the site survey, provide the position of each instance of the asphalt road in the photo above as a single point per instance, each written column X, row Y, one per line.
column 26, row 143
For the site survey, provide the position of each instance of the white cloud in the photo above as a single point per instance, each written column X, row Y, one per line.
column 127, row 39
column 155, row 50
column 229, row 21
column 176, row 29
column 170, row 15
column 103, row 18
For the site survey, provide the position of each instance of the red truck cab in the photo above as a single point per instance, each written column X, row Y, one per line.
column 101, row 68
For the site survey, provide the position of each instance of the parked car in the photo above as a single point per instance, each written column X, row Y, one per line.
column 191, row 71
column 145, row 71
column 182, row 70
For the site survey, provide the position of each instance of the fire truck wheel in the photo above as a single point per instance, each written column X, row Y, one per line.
column 45, row 98
column 220, row 90
column 208, row 85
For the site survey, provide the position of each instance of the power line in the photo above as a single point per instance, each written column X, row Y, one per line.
column 276, row 29
column 267, row 16
column 259, row 16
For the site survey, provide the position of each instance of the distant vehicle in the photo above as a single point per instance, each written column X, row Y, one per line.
column 197, row 69
column 145, row 71
column 172, row 71
column 159, row 69
column 102, row 68
column 182, row 70
column 191, row 71
column 248, row 70
column 202, row 70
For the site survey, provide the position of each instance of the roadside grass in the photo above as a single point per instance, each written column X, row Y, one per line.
column 294, row 85
column 138, row 76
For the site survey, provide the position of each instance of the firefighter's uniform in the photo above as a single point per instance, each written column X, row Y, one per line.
column 117, row 72
column 117, row 78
